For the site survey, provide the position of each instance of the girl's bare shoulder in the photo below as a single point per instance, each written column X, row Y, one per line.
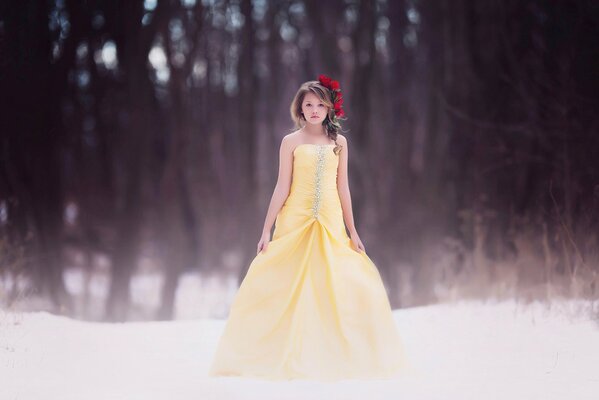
column 291, row 140
column 294, row 135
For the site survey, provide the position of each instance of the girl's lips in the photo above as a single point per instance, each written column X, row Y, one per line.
column 315, row 117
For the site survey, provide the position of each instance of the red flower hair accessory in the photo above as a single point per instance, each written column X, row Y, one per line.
column 333, row 86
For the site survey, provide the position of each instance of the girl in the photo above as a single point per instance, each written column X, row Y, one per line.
column 312, row 304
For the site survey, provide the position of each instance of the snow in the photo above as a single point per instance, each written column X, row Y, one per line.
column 463, row 350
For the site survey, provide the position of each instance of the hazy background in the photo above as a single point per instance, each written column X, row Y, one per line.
column 139, row 146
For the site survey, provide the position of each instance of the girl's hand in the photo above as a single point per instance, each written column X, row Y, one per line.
column 355, row 239
column 263, row 243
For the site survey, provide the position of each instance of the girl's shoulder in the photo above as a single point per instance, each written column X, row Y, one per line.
column 293, row 138
column 292, row 135
column 290, row 140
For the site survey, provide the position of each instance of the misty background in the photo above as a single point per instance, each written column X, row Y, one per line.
column 139, row 146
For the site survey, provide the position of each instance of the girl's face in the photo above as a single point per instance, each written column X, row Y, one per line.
column 315, row 111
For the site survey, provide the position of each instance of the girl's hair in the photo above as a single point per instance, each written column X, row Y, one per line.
column 330, row 123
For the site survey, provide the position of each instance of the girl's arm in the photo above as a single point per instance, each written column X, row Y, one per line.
column 345, row 196
column 283, row 185
column 343, row 186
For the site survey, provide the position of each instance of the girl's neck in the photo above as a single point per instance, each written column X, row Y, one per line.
column 314, row 130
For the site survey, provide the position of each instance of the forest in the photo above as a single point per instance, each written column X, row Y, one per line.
column 143, row 136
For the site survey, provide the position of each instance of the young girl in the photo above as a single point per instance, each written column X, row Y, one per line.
column 312, row 304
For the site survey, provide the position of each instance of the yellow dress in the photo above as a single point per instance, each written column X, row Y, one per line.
column 310, row 306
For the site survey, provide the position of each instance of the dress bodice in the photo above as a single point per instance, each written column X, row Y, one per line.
column 314, row 179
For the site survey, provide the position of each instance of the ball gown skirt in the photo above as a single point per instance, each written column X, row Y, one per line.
column 310, row 306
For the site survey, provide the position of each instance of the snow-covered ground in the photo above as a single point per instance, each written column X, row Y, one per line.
column 464, row 350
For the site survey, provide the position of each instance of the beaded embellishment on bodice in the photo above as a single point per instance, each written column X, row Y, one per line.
column 318, row 180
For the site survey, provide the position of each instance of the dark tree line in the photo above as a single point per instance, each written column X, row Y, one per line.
column 151, row 129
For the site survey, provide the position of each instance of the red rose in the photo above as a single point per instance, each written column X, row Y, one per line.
column 336, row 93
column 325, row 81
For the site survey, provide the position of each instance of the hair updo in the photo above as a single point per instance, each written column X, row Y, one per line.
column 330, row 123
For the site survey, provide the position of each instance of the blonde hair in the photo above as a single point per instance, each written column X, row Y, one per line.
column 331, row 123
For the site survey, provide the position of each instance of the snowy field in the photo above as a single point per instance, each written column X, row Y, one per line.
column 465, row 350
